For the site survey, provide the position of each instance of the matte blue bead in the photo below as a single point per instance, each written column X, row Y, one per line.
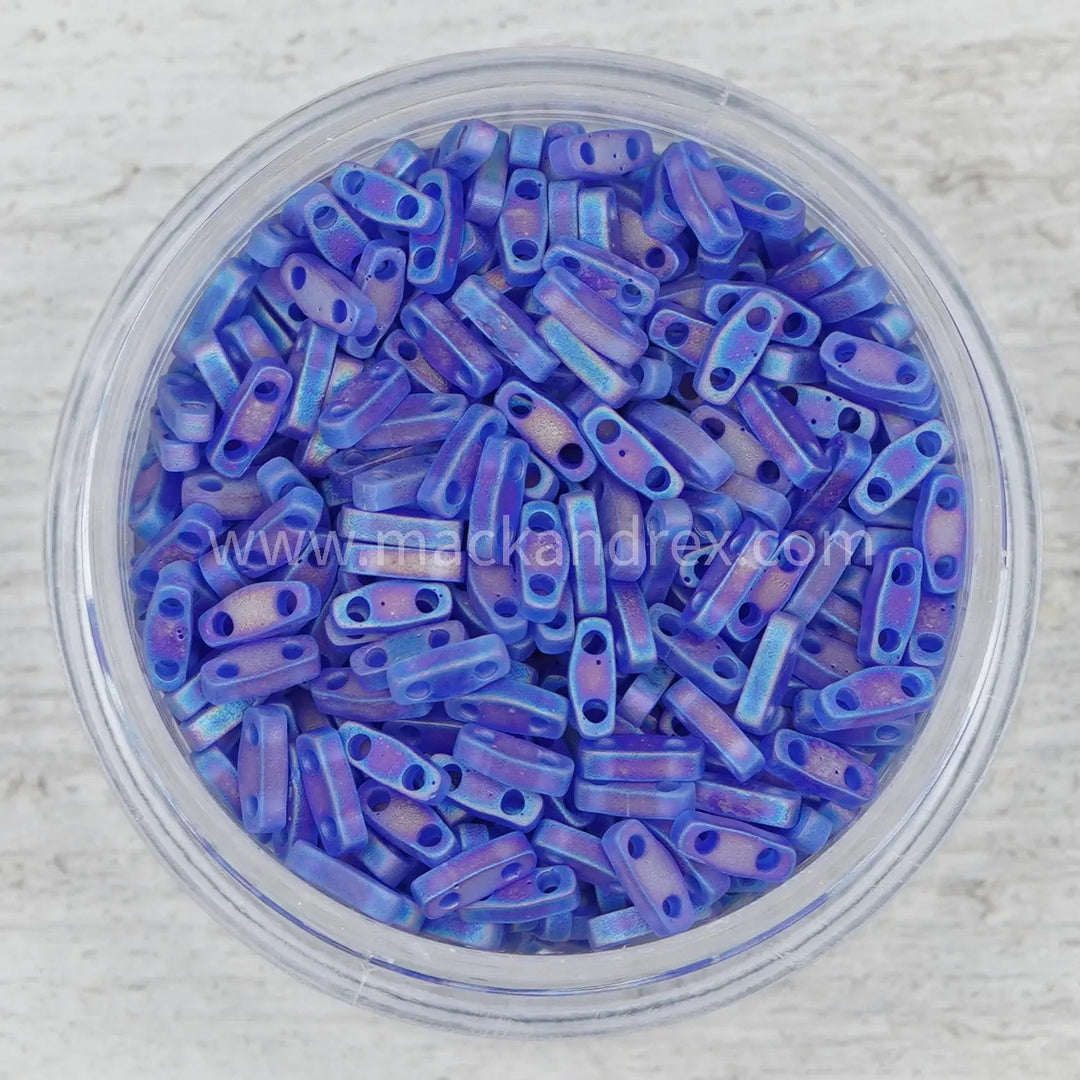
column 818, row 767
column 824, row 659
column 563, row 209
column 772, row 588
column 769, row 672
column 168, row 632
column 505, row 325
column 331, row 791
column 403, row 160
column 631, row 289
column 613, row 929
column 582, row 528
column 371, row 662
column 839, row 617
column 659, row 210
column 833, row 555
column 174, row 454
column 592, row 677
column 849, row 457
column 698, row 459
column 260, row 668
column 641, row 758
column 280, row 533
column 409, row 825
column 221, row 300
column 352, row 887
column 547, row 891
column 275, row 307
column 428, row 735
column 188, row 537
column 892, row 601
column 761, row 204
column 382, row 861
column 940, row 532
column 875, row 374
column 186, row 406
column 449, row 481
column 679, row 331
column 263, row 769
column 644, row 693
column 219, row 774
column 789, row 364
column 400, row 348
column 381, row 757
column 434, row 251
column 299, row 821
column 700, row 196
column 380, row 274
column 599, row 153
column 556, row 638
column 635, row 648
column 548, row 428
column 736, row 345
column 724, row 740
column 492, row 591
column 514, row 761
column 557, row 843
column 708, row 663
column 668, row 525
column 363, row 404
column 274, row 479
column 733, row 847
column 931, row 632
column 380, row 197
column 387, row 606
column 155, row 499
column 874, row 695
column 522, row 232
column 598, row 218
column 386, row 485
column 828, row 413
column 264, row 609
column 607, row 381
column 543, row 561
column 486, row 188
column 336, row 237
column 629, row 455
column 861, row 290
column 891, row 324
column 489, row 798
column 753, row 801
column 400, row 530
column 250, row 418
column 497, row 495
column 270, row 243
column 448, row 672
column 810, row 833
column 327, row 296
column 466, row 146
column 620, row 798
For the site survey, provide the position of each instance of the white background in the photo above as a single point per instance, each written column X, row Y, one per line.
column 109, row 112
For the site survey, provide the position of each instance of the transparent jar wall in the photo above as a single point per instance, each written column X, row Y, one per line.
column 103, row 433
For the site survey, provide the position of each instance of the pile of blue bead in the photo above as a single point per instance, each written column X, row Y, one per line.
column 546, row 543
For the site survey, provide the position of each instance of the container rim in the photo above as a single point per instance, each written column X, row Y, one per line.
column 305, row 932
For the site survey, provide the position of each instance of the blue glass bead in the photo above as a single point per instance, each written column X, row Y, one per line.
column 563, row 209
column 326, row 296
column 834, row 552
column 733, row 847
column 450, row 347
column 724, row 740
column 885, row 694
column 187, row 538
column 497, row 495
column 697, row 458
column 270, row 243
column 376, row 560
column 940, row 532
column 336, row 237
column 599, row 153
column 613, row 929
column 400, row 348
column 810, row 833
column 659, row 210
column 312, row 455
column 931, row 632
column 505, row 325
column 491, row 799
column 824, row 659
column 427, row 735
column 186, row 407
column 387, row 485
column 852, row 584
column 784, row 432
column 717, row 513
column 582, row 526
column 892, row 600
column 819, row 767
column 861, row 290
column 664, row 259
column 264, row 609
column 772, row 588
column 451, row 671
column 473, row 834
column 187, row 700
column 492, row 591
column 260, row 668
column 399, row 530
column 174, row 454
column 548, row 428
column 263, row 768
column 156, row 499
column 607, row 381
column 386, row 606
column 299, row 822
column 370, row 662
column 280, row 533
column 403, row 160
column 891, row 324
column 526, row 146
column 700, row 197
column 474, row 874
column 380, row 274
column 839, row 617
column 513, row 761
column 874, row 374
column 452, row 929
column 592, row 319
column 644, row 693
column 522, row 232
column 828, row 413
column 250, row 418
column 382, row 861
column 466, row 146
column 219, row 774
column 668, row 525
column 556, row 637
column 769, row 672
column 813, row 271
column 353, row 887
column 559, row 844
column 708, row 663
column 381, row 757
column 514, row 707
column 653, row 375
column 619, row 798
column 331, row 791
column 629, row 455
column 222, row 299
column 680, row 331
column 753, row 801
column 849, row 457
column 274, row 479
column 549, row 890
column 641, row 758
column 311, row 365
column 592, row 675
column 761, row 204
column 387, row 200
column 278, row 307
column 631, row 289
column 448, row 484
column 411, row 826
column 635, row 647
column 543, row 561
column 735, row 346
column 477, row 252
column 434, row 252
column 486, row 188
column 598, row 218
column 789, row 364
column 168, row 632
column 363, row 404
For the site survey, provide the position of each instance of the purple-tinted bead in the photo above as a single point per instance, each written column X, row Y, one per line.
column 548, row 428
column 892, row 601
column 299, row 821
column 389, row 484
column 582, row 527
column 598, row 218
column 477, row 251
column 547, row 891
column 514, row 707
column 186, row 406
column 659, row 211
column 353, row 887
column 891, row 324
column 451, row 348
column 700, row 197
column 834, row 550
column 506, row 326
column 222, row 299
column 769, row 672
column 219, row 774
column 641, row 758
column 620, row 798
column 736, row 345
column 492, row 591
column 592, row 319
column 631, row 289
column 810, row 833
column 155, row 499
column 609, row 382
column 813, row 271
column 940, row 532
column 486, row 188
column 418, row 419
column 708, row 663
column 666, row 259
column 409, row 825
column 370, row 662
column 448, row 672
column 789, row 364
column 849, row 457
column 465, row 147
column 491, row 799
column 514, row 761
column 885, row 694
column 391, row 762
column 526, row 146
column 690, row 450
column 635, row 647
column 326, row 296
column 331, row 791
column 399, row 347
column 563, row 209
column 474, row 874
column 818, row 767
column 337, row 238
column 264, row 609
column 435, row 251
column 275, row 307
column 311, row 363
column 382, row 198
column 723, row 738
column 245, row 341
column 250, row 419
column 668, row 525
column 263, row 768
column 874, row 374
column 260, row 668
column 427, row 735
column 167, row 634
column 497, row 494
column 280, row 533
column 543, row 561
column 270, row 243
column 363, row 404
column 174, row 454
column 761, row 204
column 382, row 861
column 755, row 802
column 522, row 232
column 931, row 632
column 189, row 536
column 386, row 606
column 559, row 844
column 733, row 847
column 450, row 479
column 403, row 160
column 629, row 455
column 599, row 153
column 380, row 274
column 773, row 586
column 784, row 432
column 824, row 659
column 644, row 693
column 592, row 677
column 861, row 290
column 613, row 929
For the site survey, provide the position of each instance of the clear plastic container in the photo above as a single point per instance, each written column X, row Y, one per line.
column 103, row 432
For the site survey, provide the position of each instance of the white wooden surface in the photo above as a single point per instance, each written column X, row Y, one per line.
column 110, row 111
